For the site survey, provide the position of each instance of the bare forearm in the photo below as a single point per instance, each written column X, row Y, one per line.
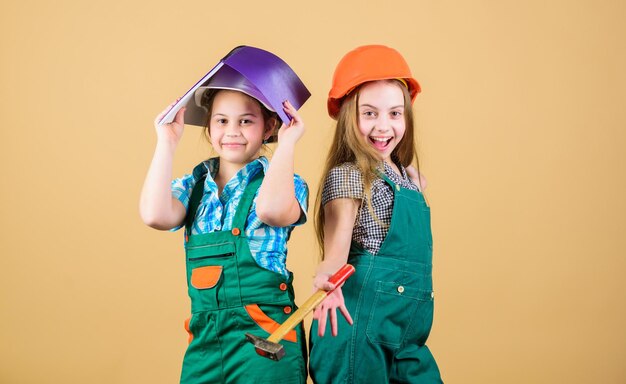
column 336, row 249
column 277, row 204
column 157, row 207
column 339, row 223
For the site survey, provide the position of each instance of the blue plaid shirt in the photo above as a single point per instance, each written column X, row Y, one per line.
column 268, row 245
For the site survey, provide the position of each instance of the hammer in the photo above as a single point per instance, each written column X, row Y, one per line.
column 270, row 347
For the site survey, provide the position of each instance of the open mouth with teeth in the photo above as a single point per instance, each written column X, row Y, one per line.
column 380, row 143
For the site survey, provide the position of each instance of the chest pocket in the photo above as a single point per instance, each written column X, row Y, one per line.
column 208, row 266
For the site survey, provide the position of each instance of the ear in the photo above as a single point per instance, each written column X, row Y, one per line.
column 270, row 127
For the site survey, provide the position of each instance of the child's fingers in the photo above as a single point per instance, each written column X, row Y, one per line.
column 317, row 312
column 326, row 286
column 346, row 314
column 291, row 112
column 423, row 181
column 287, row 106
column 342, row 307
column 160, row 116
column 333, row 322
column 165, row 111
column 417, row 177
column 180, row 116
column 321, row 323
column 321, row 282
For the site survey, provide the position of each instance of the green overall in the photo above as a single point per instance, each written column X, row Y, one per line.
column 231, row 295
column 390, row 298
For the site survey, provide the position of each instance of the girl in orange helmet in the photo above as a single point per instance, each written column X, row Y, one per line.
column 371, row 213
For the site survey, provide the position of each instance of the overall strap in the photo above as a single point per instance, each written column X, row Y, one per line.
column 388, row 180
column 239, row 221
column 397, row 188
column 194, row 202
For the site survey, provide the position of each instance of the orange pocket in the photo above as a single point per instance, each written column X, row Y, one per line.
column 190, row 339
column 266, row 323
column 205, row 277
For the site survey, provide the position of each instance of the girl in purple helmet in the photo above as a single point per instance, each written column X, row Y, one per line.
column 238, row 210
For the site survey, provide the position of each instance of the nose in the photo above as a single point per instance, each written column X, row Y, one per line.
column 382, row 124
column 232, row 130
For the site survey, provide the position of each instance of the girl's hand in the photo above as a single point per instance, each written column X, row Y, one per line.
column 418, row 178
column 293, row 132
column 170, row 132
column 329, row 306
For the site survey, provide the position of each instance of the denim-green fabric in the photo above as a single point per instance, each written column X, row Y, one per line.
column 219, row 352
column 390, row 298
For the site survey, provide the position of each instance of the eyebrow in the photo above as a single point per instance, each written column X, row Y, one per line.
column 242, row 115
column 373, row 107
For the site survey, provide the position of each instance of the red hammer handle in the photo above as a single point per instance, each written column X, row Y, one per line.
column 341, row 275
column 313, row 301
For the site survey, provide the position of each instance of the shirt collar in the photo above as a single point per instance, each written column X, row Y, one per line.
column 211, row 166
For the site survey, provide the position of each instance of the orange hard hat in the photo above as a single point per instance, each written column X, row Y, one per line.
column 368, row 63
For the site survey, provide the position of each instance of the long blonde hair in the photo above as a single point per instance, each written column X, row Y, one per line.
column 349, row 146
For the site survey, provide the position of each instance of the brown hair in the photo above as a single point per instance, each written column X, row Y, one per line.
column 348, row 146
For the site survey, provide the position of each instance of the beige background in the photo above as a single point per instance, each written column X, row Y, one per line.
column 521, row 135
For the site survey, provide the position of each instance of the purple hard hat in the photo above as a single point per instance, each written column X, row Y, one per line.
column 228, row 78
column 257, row 73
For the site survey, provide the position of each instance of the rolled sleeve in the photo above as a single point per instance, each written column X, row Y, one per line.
column 181, row 190
column 302, row 195
column 344, row 181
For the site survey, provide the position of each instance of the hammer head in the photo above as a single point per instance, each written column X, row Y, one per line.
column 266, row 348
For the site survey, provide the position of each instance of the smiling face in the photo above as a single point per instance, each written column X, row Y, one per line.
column 381, row 116
column 237, row 127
